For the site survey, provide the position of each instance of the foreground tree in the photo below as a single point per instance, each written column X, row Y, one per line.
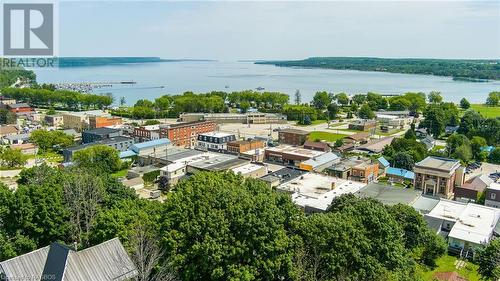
column 488, row 259
column 101, row 158
column 464, row 104
column 223, row 227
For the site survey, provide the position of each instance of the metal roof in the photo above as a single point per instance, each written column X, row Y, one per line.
column 389, row 195
column 127, row 153
column 439, row 163
column 383, row 161
column 400, row 173
column 149, row 144
column 322, row 159
column 103, row 262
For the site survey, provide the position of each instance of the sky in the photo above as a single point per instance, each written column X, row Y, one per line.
column 235, row 30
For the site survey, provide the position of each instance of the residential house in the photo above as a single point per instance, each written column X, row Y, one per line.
column 362, row 125
column 292, row 136
column 471, row 189
column 438, row 176
column 8, row 130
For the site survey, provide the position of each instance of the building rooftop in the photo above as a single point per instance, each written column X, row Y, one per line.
column 247, row 168
column 102, row 131
column 87, row 113
column 283, row 175
column 294, row 131
column 494, row 186
column 176, row 154
column 447, row 210
column 424, row 204
column 216, row 134
column 377, row 145
column 184, row 124
column 149, row 144
column 18, row 105
column 105, row 261
column 475, row 224
column 389, row 195
column 321, row 159
column 293, row 150
column 8, row 129
column 18, row 137
column 358, row 136
column 346, row 164
column 439, row 163
column 317, row 144
column 400, row 173
column 220, row 162
column 383, row 161
column 316, row 191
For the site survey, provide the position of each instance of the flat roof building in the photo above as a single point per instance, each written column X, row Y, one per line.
column 389, row 195
column 438, row 176
column 290, row 155
column 292, row 136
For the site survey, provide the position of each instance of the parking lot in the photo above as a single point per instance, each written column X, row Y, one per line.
column 486, row 168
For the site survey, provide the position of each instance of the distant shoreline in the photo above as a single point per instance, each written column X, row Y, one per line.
column 104, row 61
column 458, row 69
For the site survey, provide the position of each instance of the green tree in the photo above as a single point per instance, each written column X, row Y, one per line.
column 342, row 98
column 359, row 99
column 333, row 110
column 244, row 106
column 365, row 112
column 495, row 156
column 12, row 158
column 321, row 100
column 339, row 143
column 98, row 157
column 463, row 153
column 51, row 140
column 435, row 97
column 475, row 144
column 403, row 160
column 470, row 123
column 376, row 101
column 493, row 99
column 488, row 259
column 222, row 227
column 298, row 97
column 410, row 134
column 464, row 104
column 123, row 101
column 435, row 120
column 417, row 102
column 7, row 117
column 454, row 141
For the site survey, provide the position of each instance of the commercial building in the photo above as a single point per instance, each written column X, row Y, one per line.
column 362, row 125
column 6, row 101
column 282, row 176
column 247, row 118
column 8, row 130
column 19, row 108
column 103, row 121
column 150, row 151
column 214, row 141
column 392, row 122
column 400, row 114
column 317, row 145
column 355, row 168
column 186, row 134
column 315, row 192
column 242, row 146
column 321, row 162
column 389, row 195
column 221, row 162
column 147, row 133
column 292, row 136
column 375, row 146
column 119, row 143
column 357, row 139
column 290, row 155
column 107, row 261
column 492, row 195
column 178, row 159
column 80, row 120
column 438, row 176
column 466, row 225
column 26, row 148
column 99, row 134
column 54, row 120
column 251, row 170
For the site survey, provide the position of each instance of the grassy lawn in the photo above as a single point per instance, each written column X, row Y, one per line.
column 446, row 264
column 349, row 130
column 120, row 174
column 487, row 111
column 326, row 136
column 385, row 134
column 315, row 122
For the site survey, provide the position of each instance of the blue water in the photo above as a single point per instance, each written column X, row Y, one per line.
column 178, row 77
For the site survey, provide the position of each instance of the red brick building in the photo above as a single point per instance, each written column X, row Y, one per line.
column 244, row 146
column 19, row 107
column 100, row 122
column 185, row 134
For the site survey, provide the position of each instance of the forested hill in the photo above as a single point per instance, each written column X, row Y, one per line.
column 99, row 61
column 457, row 68
column 9, row 77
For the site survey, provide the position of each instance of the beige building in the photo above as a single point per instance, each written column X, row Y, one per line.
column 438, row 176
column 80, row 120
column 54, row 120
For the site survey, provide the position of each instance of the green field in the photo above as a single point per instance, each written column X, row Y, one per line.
column 447, row 264
column 326, row 136
column 315, row 122
column 487, row 111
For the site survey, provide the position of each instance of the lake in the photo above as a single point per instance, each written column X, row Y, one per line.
column 205, row 76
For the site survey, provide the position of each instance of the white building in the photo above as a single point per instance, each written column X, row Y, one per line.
column 315, row 192
column 467, row 225
column 215, row 141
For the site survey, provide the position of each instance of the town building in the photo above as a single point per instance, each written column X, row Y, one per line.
column 242, row 146
column 375, row 146
column 389, row 195
column 392, row 122
column 317, row 145
column 99, row 134
column 243, row 118
column 467, row 226
column 221, row 162
column 383, row 164
column 26, row 148
column 315, row 192
column 362, row 125
column 107, row 261
column 19, row 108
column 103, row 121
column 357, row 139
column 492, row 195
column 119, row 143
column 472, row 188
column 6, row 101
column 214, row 141
column 147, row 133
column 186, row 134
column 354, row 168
column 399, row 175
column 428, row 141
column 290, row 155
column 438, row 176
column 251, row 170
column 8, row 130
column 80, row 120
column 292, row 136
column 321, row 162
column 282, row 176
column 17, row 139
column 54, row 120
column 177, row 161
column 400, row 114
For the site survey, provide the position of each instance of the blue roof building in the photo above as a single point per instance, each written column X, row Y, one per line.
column 488, row 149
column 400, row 173
column 383, row 162
column 139, row 147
